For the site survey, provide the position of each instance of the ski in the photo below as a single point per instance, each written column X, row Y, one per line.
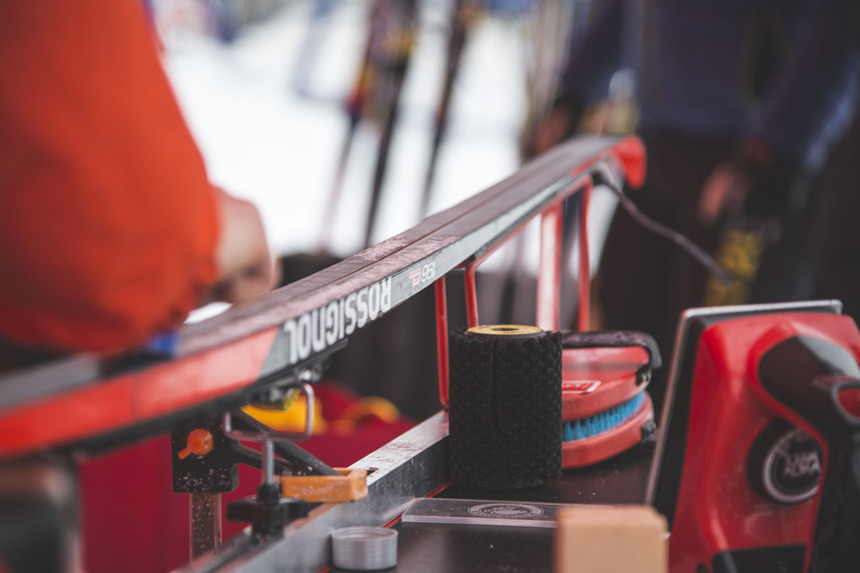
column 548, row 33
column 464, row 15
column 283, row 337
column 394, row 25
column 375, row 98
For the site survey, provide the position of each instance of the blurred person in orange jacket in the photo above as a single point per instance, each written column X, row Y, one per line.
column 109, row 228
column 110, row 231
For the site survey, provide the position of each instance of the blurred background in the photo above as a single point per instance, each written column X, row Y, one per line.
column 266, row 86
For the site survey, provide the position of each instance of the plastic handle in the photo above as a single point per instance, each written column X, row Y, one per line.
column 806, row 376
column 835, row 548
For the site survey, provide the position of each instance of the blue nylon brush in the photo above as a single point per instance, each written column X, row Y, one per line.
column 605, row 408
column 602, row 421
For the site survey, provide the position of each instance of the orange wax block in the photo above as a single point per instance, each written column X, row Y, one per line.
column 607, row 539
column 351, row 485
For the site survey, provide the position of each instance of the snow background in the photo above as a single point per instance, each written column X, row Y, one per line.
column 266, row 141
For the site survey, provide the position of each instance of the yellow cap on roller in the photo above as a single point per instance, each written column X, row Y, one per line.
column 505, row 330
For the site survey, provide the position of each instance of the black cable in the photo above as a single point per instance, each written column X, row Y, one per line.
column 650, row 224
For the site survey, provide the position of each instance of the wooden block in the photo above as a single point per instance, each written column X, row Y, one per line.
column 351, row 485
column 609, row 539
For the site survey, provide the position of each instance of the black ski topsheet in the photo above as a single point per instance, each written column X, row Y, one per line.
column 282, row 333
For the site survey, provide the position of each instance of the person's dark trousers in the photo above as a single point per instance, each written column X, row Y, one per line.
column 645, row 281
column 836, row 225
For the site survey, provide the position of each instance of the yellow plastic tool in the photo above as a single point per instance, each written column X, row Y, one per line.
column 351, row 485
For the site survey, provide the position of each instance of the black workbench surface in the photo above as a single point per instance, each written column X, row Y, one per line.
column 463, row 547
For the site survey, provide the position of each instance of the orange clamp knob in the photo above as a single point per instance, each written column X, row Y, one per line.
column 199, row 443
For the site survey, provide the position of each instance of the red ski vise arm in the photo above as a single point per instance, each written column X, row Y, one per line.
column 630, row 152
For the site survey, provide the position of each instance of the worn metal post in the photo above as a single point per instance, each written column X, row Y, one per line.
column 205, row 511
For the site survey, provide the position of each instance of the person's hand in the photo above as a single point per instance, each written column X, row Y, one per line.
column 245, row 266
column 723, row 194
column 754, row 183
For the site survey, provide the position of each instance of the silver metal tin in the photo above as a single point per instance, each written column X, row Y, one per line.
column 364, row 548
